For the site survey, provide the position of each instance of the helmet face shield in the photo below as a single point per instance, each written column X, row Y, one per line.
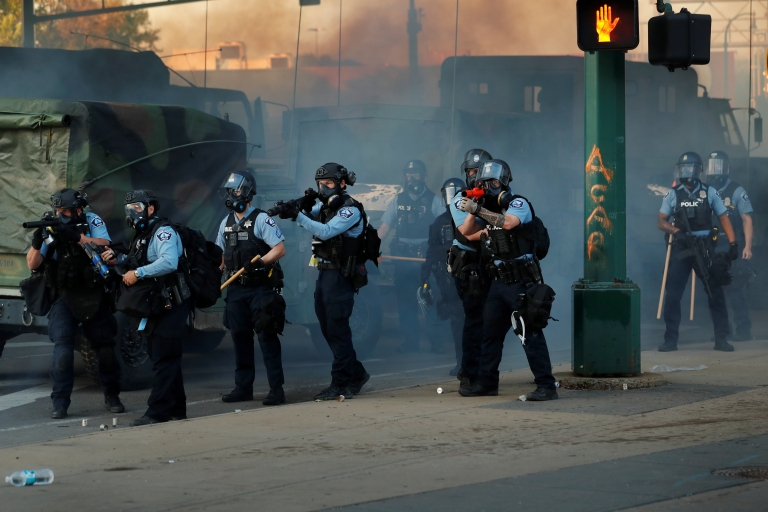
column 717, row 167
column 235, row 185
column 687, row 171
column 449, row 192
column 493, row 171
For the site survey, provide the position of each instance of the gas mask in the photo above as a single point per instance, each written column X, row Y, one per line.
column 496, row 196
column 414, row 183
column 136, row 216
column 64, row 219
column 235, row 202
column 326, row 193
column 688, row 173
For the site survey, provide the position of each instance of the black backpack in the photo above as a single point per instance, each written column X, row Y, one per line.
column 201, row 263
column 539, row 233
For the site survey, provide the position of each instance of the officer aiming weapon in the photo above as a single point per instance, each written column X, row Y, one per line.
column 475, row 193
column 237, row 274
column 288, row 209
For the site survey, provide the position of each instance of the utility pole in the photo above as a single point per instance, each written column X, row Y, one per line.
column 414, row 27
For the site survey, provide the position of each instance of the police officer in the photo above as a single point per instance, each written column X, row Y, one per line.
column 697, row 201
column 81, row 298
column 337, row 223
column 739, row 210
column 411, row 213
column 506, row 221
column 472, row 282
column 243, row 234
column 154, row 255
column 449, row 306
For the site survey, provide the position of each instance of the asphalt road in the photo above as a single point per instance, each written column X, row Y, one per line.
column 25, row 404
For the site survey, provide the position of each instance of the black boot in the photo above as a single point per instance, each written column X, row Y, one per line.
column 478, row 389
column 667, row 347
column 276, row 396
column 333, row 393
column 144, row 420
column 59, row 413
column 357, row 385
column 723, row 346
column 541, row 395
column 237, row 395
column 114, row 404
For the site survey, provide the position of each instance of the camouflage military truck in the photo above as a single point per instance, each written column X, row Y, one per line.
column 178, row 152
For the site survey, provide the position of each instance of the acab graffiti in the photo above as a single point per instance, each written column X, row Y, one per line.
column 598, row 223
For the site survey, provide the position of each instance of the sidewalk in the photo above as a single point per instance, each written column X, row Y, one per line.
column 419, row 450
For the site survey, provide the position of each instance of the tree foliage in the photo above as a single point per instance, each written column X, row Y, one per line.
column 116, row 30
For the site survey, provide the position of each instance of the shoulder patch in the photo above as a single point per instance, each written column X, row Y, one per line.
column 745, row 197
column 97, row 222
column 517, row 203
column 346, row 213
column 269, row 221
column 457, row 202
column 164, row 236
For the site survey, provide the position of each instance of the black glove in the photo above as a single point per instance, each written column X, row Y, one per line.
column 733, row 251
column 254, row 266
column 290, row 213
column 68, row 233
column 307, row 203
column 37, row 239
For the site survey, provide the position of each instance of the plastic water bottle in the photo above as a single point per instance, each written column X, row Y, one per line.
column 30, row 477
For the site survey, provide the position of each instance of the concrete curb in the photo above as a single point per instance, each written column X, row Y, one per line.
column 570, row 380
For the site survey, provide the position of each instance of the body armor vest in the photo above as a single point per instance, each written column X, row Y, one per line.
column 509, row 244
column 241, row 242
column 414, row 216
column 733, row 215
column 74, row 279
column 441, row 232
column 695, row 206
column 137, row 256
column 340, row 248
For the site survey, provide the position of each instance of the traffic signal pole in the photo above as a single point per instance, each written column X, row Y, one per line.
column 606, row 305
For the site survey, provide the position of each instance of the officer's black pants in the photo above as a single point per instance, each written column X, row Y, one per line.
column 503, row 299
column 678, row 276
column 167, row 397
column 100, row 333
column 407, row 281
column 734, row 292
column 472, row 332
column 334, row 300
column 242, row 306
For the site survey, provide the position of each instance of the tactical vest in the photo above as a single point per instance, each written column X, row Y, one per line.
column 727, row 194
column 340, row 248
column 414, row 216
column 441, row 232
column 241, row 244
column 509, row 244
column 72, row 276
column 137, row 256
column 695, row 206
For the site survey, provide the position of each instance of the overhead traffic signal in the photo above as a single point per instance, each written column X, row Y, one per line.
column 679, row 40
column 607, row 25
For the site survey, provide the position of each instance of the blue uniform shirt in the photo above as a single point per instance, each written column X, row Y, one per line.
column 343, row 223
column 739, row 200
column 669, row 204
column 163, row 253
column 264, row 228
column 96, row 229
column 458, row 217
column 390, row 215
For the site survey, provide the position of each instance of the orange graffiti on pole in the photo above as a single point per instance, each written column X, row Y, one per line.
column 605, row 24
column 598, row 222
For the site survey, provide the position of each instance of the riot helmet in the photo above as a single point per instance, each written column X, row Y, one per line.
column 718, row 167
column 137, row 203
column 337, row 173
column 473, row 159
column 688, row 168
column 414, row 176
column 450, row 189
column 494, row 177
column 237, row 190
column 68, row 199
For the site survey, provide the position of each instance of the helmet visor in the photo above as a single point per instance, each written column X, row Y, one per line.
column 236, row 184
column 450, row 192
column 716, row 167
column 684, row 171
column 491, row 171
column 134, row 208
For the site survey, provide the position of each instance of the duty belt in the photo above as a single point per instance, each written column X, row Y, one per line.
column 321, row 265
column 415, row 250
column 248, row 280
column 516, row 271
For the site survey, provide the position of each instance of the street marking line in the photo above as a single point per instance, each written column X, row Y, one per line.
column 745, row 459
column 22, row 427
column 690, row 478
column 23, row 344
column 28, row 396
column 22, row 382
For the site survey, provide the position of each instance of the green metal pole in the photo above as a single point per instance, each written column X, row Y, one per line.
column 28, row 23
column 606, row 305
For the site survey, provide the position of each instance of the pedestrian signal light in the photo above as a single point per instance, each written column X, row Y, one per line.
column 679, row 40
column 607, row 25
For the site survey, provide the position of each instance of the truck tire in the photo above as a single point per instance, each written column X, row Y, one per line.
column 365, row 323
column 201, row 342
column 131, row 352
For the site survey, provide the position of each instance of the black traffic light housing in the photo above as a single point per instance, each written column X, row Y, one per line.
column 607, row 25
column 679, row 40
